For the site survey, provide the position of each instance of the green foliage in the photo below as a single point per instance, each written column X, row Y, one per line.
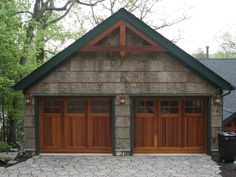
column 4, row 147
column 199, row 54
column 11, row 41
column 224, row 55
column 227, row 44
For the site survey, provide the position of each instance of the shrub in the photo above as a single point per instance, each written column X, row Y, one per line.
column 4, row 147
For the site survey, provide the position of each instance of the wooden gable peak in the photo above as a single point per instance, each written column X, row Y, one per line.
column 122, row 28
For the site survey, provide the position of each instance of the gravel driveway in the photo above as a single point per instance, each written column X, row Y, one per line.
column 98, row 165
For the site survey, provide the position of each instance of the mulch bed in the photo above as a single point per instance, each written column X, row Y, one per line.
column 19, row 159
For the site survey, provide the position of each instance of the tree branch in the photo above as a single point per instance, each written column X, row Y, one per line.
column 88, row 4
column 168, row 24
column 25, row 12
column 60, row 8
column 62, row 16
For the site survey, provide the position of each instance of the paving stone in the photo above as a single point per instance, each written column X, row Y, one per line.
column 91, row 165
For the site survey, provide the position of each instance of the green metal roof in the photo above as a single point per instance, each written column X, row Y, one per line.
column 183, row 57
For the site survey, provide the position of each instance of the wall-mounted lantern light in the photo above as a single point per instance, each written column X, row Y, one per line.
column 122, row 99
column 28, row 99
column 217, row 99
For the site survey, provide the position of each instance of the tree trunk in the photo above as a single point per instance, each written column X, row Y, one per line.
column 12, row 121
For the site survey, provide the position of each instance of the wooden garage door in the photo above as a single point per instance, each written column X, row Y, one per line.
column 171, row 125
column 75, row 125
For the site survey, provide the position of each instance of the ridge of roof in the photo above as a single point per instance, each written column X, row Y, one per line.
column 183, row 57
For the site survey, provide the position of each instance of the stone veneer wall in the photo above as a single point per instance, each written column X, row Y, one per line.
column 98, row 74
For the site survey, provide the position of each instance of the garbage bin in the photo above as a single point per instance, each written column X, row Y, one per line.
column 227, row 146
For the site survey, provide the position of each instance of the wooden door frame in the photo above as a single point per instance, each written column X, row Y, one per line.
column 37, row 99
column 208, row 115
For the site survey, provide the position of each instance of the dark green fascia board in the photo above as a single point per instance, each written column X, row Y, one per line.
column 67, row 53
column 36, row 124
column 209, row 117
column 228, row 119
column 113, row 128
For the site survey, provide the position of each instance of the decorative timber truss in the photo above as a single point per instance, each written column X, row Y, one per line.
column 123, row 33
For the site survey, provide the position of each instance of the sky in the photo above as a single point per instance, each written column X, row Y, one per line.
column 207, row 19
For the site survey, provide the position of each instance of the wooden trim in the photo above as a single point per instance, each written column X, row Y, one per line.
column 105, row 33
column 122, row 48
column 141, row 34
column 122, row 39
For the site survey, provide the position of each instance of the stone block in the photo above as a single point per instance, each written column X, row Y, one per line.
column 122, row 122
column 29, row 110
column 75, row 87
column 214, row 135
column 106, row 77
column 64, row 76
column 112, row 88
column 29, row 132
column 216, row 121
column 132, row 77
column 65, row 67
column 85, row 76
column 122, row 110
column 123, row 133
column 29, row 144
column 156, row 64
column 176, row 87
column 133, row 87
column 102, row 64
column 29, row 121
column 193, row 77
column 63, row 88
column 198, row 88
column 45, row 87
column 82, row 64
column 123, row 143
column 154, row 88
column 132, row 64
column 172, row 64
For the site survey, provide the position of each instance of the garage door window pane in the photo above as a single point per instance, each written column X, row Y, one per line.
column 169, row 107
column 75, row 106
column 100, row 106
column 52, row 106
column 193, row 106
column 144, row 106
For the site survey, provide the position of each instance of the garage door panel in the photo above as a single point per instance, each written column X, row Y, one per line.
column 171, row 135
column 101, row 131
column 144, row 132
column 148, row 131
column 195, row 131
column 51, row 131
column 75, row 132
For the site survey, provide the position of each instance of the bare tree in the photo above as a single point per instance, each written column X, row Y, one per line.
column 41, row 15
column 145, row 10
